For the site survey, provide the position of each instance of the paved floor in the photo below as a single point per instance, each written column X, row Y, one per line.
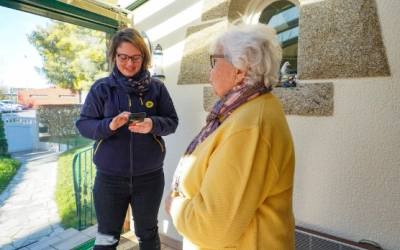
column 28, row 212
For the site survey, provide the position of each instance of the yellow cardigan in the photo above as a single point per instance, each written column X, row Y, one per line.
column 238, row 183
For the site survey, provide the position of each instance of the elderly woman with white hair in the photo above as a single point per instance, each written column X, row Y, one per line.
column 233, row 185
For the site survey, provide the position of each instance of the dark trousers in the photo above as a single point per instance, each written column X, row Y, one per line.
column 112, row 196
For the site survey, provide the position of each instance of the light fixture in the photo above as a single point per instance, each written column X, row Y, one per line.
column 158, row 71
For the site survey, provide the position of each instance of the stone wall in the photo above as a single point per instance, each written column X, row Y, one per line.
column 337, row 39
column 308, row 99
column 345, row 42
column 196, row 60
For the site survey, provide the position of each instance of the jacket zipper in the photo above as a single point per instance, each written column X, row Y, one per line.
column 131, row 148
column 130, row 144
column 130, row 141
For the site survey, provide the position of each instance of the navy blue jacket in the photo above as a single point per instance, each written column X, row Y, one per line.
column 121, row 152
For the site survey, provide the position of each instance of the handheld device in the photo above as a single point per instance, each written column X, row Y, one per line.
column 136, row 117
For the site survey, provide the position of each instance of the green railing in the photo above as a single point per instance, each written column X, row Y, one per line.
column 83, row 172
column 86, row 246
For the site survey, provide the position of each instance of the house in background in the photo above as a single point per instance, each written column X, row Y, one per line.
column 34, row 97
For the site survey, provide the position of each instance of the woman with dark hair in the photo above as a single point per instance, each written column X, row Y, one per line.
column 128, row 156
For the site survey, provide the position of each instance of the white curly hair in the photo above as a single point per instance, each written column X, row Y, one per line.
column 254, row 48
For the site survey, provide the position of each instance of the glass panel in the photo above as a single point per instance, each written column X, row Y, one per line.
column 289, row 37
column 284, row 17
column 41, row 61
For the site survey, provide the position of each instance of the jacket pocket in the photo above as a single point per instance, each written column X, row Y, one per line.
column 159, row 142
column 97, row 147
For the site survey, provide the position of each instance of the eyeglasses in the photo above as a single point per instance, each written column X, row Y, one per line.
column 125, row 58
column 213, row 61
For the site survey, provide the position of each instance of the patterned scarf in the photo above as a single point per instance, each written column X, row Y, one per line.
column 138, row 84
column 220, row 112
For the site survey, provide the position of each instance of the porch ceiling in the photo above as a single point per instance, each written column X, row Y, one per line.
column 102, row 8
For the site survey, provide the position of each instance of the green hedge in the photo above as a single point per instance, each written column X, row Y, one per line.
column 59, row 120
column 8, row 169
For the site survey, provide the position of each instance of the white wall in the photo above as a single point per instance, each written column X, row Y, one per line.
column 166, row 22
column 348, row 165
column 347, row 179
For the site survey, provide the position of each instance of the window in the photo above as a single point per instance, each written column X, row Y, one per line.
column 284, row 17
column 38, row 96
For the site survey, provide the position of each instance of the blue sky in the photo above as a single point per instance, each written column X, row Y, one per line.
column 17, row 56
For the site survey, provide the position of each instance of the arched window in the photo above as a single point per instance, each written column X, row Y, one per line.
column 284, row 17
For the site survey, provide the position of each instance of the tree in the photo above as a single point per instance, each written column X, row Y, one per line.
column 3, row 140
column 73, row 56
column 3, row 89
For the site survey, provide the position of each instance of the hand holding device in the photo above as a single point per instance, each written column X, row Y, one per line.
column 136, row 117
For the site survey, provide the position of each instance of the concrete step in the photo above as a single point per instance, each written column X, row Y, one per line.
column 91, row 231
column 65, row 240
column 72, row 238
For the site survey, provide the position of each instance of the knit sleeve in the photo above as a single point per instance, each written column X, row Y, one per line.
column 238, row 178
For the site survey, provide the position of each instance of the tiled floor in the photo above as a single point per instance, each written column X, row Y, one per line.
column 165, row 247
column 132, row 237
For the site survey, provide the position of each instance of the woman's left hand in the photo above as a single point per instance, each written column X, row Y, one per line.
column 143, row 127
column 173, row 203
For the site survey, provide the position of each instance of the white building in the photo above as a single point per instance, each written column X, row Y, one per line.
column 347, row 147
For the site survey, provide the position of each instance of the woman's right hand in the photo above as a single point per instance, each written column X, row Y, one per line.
column 119, row 121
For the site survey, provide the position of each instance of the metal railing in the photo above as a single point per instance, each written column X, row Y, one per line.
column 83, row 172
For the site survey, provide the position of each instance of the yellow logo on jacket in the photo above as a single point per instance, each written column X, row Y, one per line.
column 149, row 104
